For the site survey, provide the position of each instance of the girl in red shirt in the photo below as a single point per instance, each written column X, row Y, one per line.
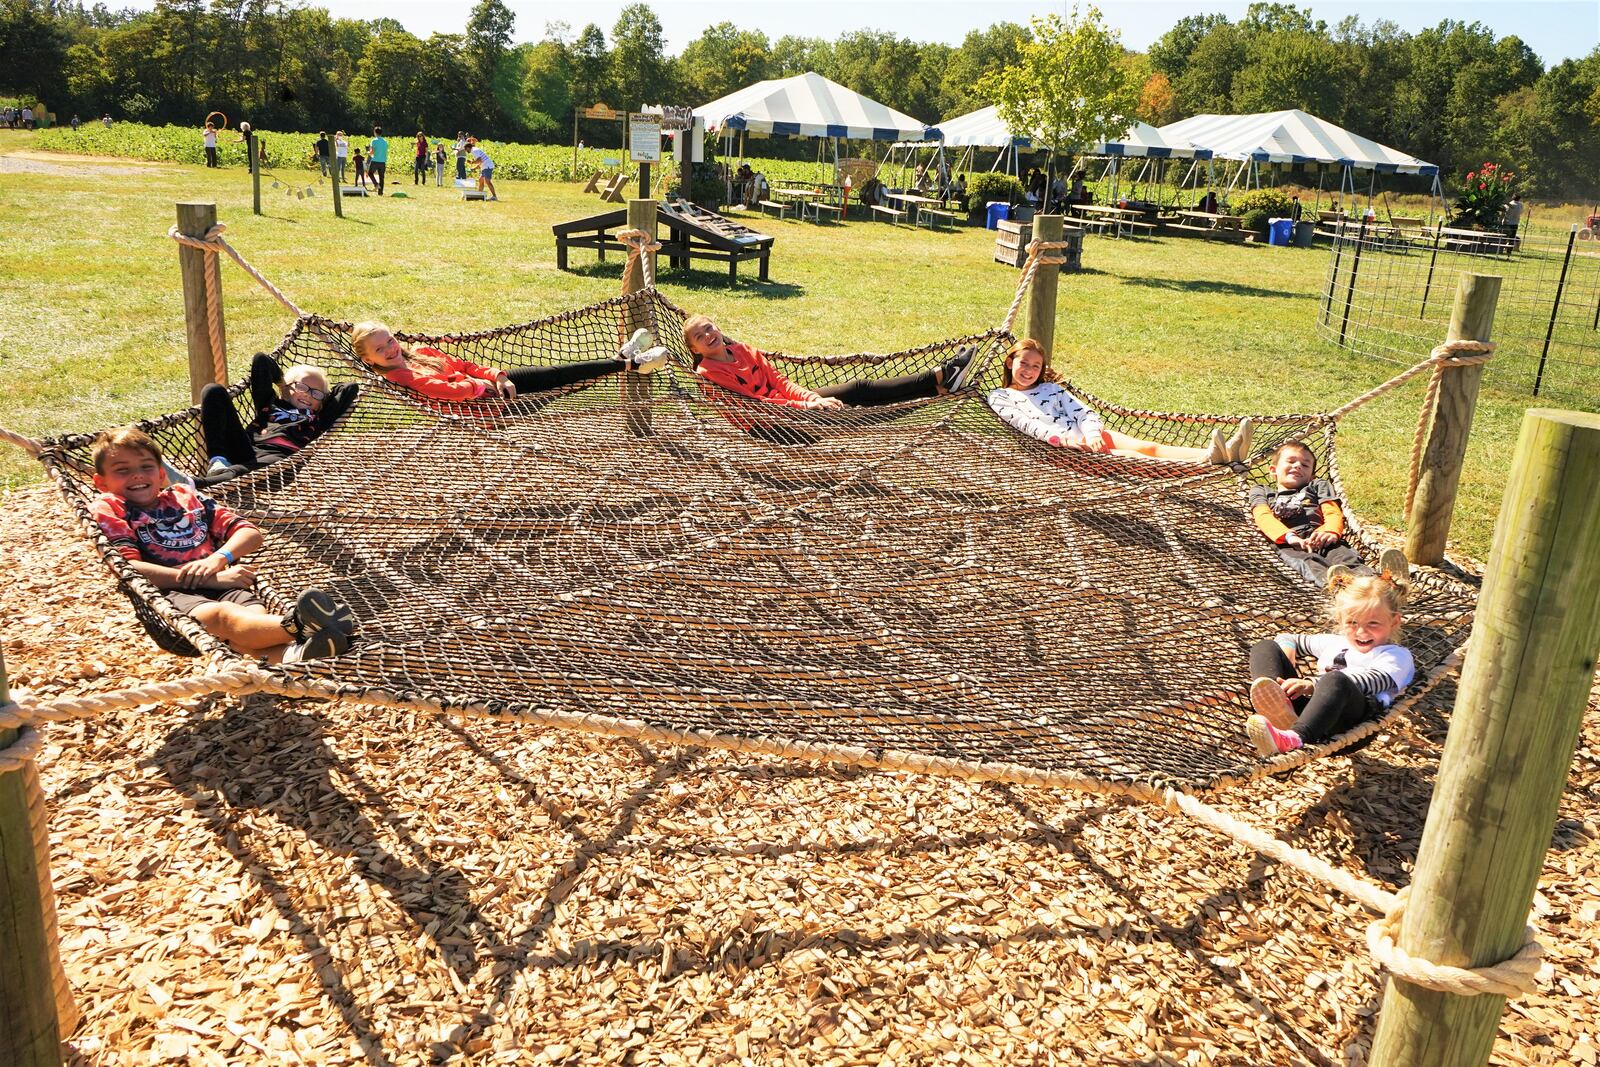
column 744, row 369
column 444, row 377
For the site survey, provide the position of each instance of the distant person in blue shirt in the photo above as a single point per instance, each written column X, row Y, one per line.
column 378, row 158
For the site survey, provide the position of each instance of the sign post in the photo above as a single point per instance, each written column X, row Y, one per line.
column 644, row 146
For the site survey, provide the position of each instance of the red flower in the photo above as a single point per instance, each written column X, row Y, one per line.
column 1472, row 175
column 1482, row 186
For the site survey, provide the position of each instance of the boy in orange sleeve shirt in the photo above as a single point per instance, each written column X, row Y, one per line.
column 1302, row 516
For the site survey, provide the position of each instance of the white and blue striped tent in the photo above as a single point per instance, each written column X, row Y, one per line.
column 1293, row 137
column 984, row 128
column 809, row 105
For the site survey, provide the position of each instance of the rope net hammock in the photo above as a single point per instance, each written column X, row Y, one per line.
column 915, row 585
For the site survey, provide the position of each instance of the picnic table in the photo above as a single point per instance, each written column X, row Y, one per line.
column 805, row 198
column 1120, row 219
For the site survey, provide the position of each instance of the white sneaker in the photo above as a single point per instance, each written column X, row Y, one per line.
column 642, row 339
column 650, row 360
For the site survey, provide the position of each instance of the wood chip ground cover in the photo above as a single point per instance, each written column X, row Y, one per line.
column 263, row 882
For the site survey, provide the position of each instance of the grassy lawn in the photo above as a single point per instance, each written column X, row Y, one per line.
column 93, row 331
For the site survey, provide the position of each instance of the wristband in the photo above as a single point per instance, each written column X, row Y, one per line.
column 225, row 554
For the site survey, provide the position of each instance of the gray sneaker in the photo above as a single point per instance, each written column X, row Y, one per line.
column 322, row 644
column 642, row 339
column 650, row 360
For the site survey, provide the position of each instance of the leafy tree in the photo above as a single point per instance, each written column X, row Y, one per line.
column 982, row 52
column 392, row 79
column 638, row 59
column 489, row 37
column 1069, row 89
column 591, row 62
column 1158, row 104
column 1289, row 69
column 883, row 66
column 547, row 89
column 33, row 50
column 797, row 55
column 722, row 59
column 1280, row 18
column 1206, row 84
column 1170, row 54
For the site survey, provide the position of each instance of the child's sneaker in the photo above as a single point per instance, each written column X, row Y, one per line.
column 642, row 339
column 322, row 644
column 218, row 465
column 650, row 360
column 954, row 373
column 316, row 612
column 176, row 476
column 1238, row 445
column 1272, row 703
column 1392, row 563
column 1218, row 451
column 1337, row 575
column 1268, row 739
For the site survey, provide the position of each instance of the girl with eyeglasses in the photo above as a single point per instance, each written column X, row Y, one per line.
column 293, row 408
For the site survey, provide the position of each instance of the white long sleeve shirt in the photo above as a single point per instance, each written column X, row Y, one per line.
column 1381, row 673
column 1048, row 412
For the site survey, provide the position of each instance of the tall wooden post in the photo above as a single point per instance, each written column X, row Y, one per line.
column 1428, row 525
column 1518, row 712
column 30, row 1027
column 1042, row 297
column 195, row 220
column 636, row 387
column 251, row 146
column 338, row 184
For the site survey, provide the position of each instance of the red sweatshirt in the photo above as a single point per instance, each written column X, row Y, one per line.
column 458, row 380
column 750, row 374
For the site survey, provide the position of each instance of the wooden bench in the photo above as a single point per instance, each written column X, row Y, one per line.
column 780, row 207
column 935, row 218
column 1090, row 223
column 1203, row 231
column 1143, row 229
column 593, row 185
column 833, row 209
column 893, row 214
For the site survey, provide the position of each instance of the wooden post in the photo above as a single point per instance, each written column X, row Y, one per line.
column 1428, row 525
column 254, row 149
column 636, row 387
column 195, row 220
column 1042, row 296
column 30, row 1026
column 1518, row 712
column 338, row 184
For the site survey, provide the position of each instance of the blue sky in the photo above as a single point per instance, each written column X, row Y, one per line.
column 1555, row 29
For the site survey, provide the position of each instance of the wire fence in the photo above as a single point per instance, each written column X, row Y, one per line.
column 1389, row 292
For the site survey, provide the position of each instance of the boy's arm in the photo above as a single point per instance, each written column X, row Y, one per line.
column 1261, row 512
column 1332, row 518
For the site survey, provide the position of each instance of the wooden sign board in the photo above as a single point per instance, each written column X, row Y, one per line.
column 600, row 111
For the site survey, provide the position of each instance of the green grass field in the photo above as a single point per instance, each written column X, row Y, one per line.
column 92, row 333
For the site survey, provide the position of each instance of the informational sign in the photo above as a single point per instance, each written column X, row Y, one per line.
column 644, row 137
column 600, row 111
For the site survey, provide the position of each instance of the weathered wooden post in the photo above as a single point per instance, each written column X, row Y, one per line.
column 1428, row 525
column 338, row 184
column 208, row 360
column 254, row 149
column 1518, row 712
column 635, row 387
column 38, row 1012
column 1042, row 299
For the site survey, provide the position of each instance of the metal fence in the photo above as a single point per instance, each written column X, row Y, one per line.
column 1389, row 293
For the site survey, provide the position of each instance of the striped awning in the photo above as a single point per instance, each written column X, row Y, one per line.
column 809, row 105
column 985, row 128
column 1293, row 137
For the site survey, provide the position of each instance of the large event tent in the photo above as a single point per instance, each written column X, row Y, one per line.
column 1295, row 137
column 809, row 105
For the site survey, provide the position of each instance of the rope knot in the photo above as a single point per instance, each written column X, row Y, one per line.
column 24, row 750
column 639, row 239
column 1509, row 978
column 1462, row 353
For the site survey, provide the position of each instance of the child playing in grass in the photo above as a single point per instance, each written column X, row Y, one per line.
column 743, row 369
column 360, row 163
column 443, row 377
column 190, row 547
column 1353, row 675
column 1302, row 516
column 293, row 408
column 1047, row 411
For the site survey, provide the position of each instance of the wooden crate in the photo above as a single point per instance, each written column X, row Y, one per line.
column 1012, row 239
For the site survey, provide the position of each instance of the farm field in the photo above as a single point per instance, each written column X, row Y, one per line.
column 263, row 881
column 95, row 334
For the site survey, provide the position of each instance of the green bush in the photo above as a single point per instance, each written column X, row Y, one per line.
column 992, row 186
column 1257, row 206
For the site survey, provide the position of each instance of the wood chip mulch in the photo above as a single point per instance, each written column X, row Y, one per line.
column 264, row 882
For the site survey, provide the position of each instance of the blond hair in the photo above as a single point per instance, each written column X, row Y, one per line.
column 1351, row 591
column 362, row 332
column 130, row 437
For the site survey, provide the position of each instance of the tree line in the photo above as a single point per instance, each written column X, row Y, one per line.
column 1454, row 94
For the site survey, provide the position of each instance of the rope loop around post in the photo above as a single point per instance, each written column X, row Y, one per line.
column 212, row 243
column 23, row 751
column 640, row 243
column 1463, row 353
column 1029, row 269
column 1512, row 977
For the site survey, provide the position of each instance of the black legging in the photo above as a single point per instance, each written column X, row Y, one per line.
column 1335, row 705
column 556, row 375
column 871, row 392
column 226, row 436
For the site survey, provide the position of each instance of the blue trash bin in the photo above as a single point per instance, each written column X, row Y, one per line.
column 998, row 209
column 1280, row 231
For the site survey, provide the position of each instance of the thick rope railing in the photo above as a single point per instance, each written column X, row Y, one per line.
column 212, row 243
column 1511, row 977
column 1031, row 267
column 639, row 242
column 32, row 446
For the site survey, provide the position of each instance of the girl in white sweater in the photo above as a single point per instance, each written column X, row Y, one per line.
column 1047, row 411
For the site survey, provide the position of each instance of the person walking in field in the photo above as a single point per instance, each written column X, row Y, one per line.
column 378, row 159
column 341, row 152
column 209, row 139
column 438, row 163
column 419, row 161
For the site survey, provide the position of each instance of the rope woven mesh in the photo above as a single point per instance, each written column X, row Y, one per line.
column 916, row 578
column 1391, row 298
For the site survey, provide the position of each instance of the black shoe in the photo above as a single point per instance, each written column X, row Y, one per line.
column 954, row 373
column 316, row 612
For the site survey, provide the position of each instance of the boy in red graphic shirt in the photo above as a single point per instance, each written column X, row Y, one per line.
column 189, row 547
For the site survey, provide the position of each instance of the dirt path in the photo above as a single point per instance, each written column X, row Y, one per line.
column 26, row 161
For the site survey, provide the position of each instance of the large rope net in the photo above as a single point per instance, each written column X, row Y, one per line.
column 915, row 585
